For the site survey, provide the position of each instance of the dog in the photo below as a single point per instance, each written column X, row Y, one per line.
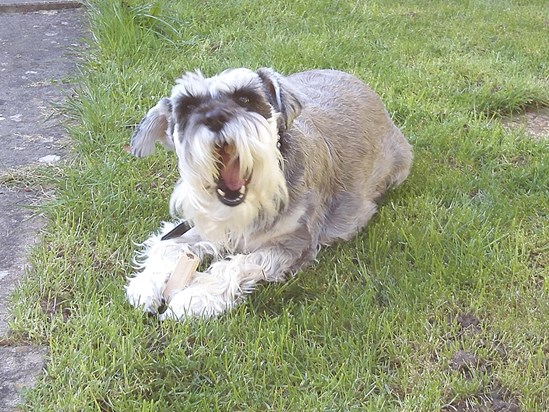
column 271, row 167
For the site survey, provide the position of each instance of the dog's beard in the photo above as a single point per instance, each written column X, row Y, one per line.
column 247, row 145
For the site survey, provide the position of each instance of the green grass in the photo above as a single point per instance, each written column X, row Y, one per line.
column 377, row 323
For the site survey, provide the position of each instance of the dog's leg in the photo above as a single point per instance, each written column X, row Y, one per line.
column 157, row 261
column 226, row 282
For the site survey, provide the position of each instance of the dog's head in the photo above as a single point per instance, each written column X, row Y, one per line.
column 225, row 131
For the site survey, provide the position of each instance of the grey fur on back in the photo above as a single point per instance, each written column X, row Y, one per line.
column 342, row 153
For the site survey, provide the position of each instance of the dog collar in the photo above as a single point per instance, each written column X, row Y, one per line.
column 279, row 141
column 177, row 231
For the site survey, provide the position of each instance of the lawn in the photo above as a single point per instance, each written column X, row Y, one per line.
column 441, row 303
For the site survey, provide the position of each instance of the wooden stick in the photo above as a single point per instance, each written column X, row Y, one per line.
column 181, row 275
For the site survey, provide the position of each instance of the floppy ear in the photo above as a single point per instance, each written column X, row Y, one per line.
column 154, row 127
column 282, row 97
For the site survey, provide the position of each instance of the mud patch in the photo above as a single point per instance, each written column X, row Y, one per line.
column 535, row 123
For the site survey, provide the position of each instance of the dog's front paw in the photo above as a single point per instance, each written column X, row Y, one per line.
column 213, row 292
column 195, row 301
column 144, row 294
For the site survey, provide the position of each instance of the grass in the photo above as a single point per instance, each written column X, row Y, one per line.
column 440, row 304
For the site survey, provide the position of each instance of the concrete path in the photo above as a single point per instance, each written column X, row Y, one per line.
column 36, row 40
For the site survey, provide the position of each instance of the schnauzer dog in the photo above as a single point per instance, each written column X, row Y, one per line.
column 271, row 167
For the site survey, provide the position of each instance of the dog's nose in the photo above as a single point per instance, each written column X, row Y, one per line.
column 216, row 118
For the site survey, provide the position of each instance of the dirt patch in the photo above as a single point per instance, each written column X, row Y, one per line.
column 468, row 323
column 466, row 363
column 475, row 337
column 535, row 122
column 54, row 308
column 495, row 399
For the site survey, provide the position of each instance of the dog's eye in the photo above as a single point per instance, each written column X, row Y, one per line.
column 243, row 100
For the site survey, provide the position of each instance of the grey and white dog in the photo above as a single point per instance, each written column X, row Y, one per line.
column 271, row 167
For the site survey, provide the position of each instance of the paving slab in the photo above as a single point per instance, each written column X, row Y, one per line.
column 19, row 230
column 38, row 44
column 25, row 6
column 14, row 370
column 34, row 64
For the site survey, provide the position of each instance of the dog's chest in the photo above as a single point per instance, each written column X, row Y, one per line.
column 285, row 225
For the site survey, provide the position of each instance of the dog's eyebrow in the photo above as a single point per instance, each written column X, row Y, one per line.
column 184, row 103
column 190, row 98
column 245, row 92
column 251, row 84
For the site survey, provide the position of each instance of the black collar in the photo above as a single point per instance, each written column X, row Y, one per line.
column 177, row 231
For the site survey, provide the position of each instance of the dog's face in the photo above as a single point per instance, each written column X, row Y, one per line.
column 225, row 131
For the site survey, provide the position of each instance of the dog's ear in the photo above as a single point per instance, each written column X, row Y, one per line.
column 155, row 127
column 282, row 97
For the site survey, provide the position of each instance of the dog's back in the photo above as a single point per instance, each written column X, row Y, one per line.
column 344, row 126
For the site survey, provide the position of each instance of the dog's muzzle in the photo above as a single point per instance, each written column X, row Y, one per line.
column 231, row 186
